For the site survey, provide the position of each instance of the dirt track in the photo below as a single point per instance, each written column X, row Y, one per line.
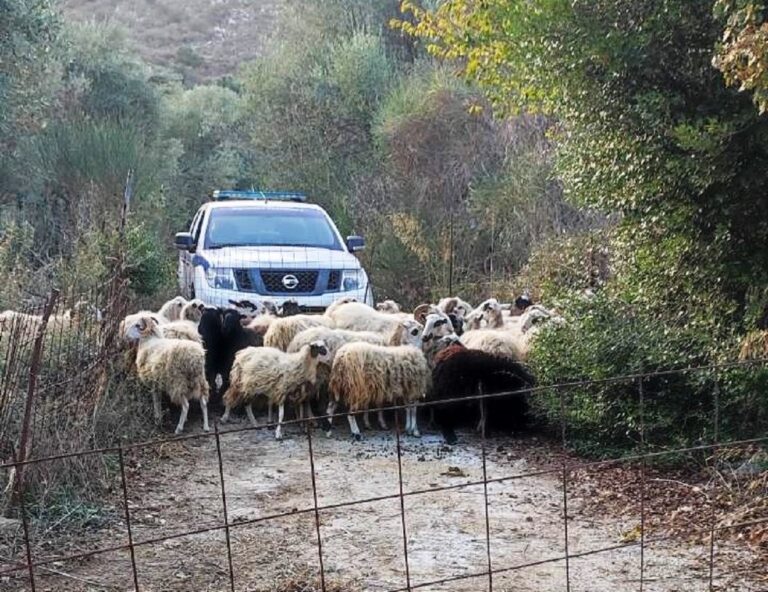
column 177, row 488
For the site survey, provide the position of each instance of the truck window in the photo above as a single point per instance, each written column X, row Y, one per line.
column 254, row 227
column 197, row 225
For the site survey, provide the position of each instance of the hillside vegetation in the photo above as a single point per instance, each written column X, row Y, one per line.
column 203, row 39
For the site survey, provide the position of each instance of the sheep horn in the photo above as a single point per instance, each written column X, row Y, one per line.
column 420, row 312
column 450, row 305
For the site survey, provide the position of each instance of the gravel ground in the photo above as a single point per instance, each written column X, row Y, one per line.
column 176, row 488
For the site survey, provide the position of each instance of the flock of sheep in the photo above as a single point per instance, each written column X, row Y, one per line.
column 352, row 356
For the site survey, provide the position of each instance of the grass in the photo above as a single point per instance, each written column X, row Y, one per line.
column 223, row 33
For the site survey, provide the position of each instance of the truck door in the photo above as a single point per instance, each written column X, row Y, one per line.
column 186, row 272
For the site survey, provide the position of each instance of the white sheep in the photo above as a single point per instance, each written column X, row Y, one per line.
column 407, row 332
column 456, row 305
column 388, row 306
column 282, row 330
column 364, row 375
column 192, row 310
column 273, row 374
column 174, row 366
column 28, row 324
column 186, row 330
column 496, row 341
column 20, row 323
column 260, row 324
column 436, row 327
column 355, row 316
column 337, row 303
column 171, row 310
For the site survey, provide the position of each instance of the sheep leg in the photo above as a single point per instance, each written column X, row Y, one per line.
column 301, row 411
column 204, row 409
column 269, row 412
column 382, row 422
column 411, row 414
column 225, row 417
column 279, row 428
column 353, row 427
column 366, row 421
column 481, row 423
column 414, row 422
column 183, row 416
column 157, row 408
column 249, row 413
column 408, row 421
column 329, row 412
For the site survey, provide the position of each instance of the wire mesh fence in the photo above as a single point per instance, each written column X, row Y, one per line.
column 398, row 504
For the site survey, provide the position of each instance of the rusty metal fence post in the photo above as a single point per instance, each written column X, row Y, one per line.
column 16, row 478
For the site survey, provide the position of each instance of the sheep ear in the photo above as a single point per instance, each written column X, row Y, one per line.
column 420, row 312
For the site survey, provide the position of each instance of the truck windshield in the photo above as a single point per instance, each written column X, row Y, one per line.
column 257, row 227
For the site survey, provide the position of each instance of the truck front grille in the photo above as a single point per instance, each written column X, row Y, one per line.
column 274, row 281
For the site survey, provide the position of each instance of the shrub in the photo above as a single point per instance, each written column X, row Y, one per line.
column 605, row 337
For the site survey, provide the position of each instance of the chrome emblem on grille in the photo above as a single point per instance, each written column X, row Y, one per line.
column 291, row 282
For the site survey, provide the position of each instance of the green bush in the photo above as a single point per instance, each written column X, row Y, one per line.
column 606, row 337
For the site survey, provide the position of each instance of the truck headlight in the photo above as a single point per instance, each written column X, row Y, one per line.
column 352, row 279
column 220, row 277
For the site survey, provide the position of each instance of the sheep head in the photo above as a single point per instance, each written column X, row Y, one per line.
column 410, row 333
column 457, row 322
column 436, row 326
column 250, row 309
column 290, row 308
column 319, row 350
column 143, row 327
column 231, row 321
column 388, row 306
column 422, row 310
column 172, row 308
column 193, row 310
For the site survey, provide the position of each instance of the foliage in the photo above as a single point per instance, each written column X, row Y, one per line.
column 311, row 113
column 606, row 337
column 203, row 127
column 648, row 133
column 28, row 33
column 105, row 80
column 743, row 51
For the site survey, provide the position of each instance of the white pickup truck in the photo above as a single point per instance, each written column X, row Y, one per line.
column 252, row 245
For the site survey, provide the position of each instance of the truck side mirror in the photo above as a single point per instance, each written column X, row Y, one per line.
column 184, row 241
column 355, row 243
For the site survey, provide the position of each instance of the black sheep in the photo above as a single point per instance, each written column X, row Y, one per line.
column 290, row 308
column 223, row 336
column 523, row 301
column 470, row 372
column 235, row 338
column 210, row 329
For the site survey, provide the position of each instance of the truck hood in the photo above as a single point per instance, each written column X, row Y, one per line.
column 279, row 258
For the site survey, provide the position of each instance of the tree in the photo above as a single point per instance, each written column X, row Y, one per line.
column 28, row 36
column 649, row 130
column 743, row 52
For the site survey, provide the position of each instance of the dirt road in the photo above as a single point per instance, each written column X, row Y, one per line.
column 177, row 489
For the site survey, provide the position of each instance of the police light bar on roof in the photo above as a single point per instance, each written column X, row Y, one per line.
column 227, row 195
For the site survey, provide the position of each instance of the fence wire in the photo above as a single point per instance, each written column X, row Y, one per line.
column 31, row 562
